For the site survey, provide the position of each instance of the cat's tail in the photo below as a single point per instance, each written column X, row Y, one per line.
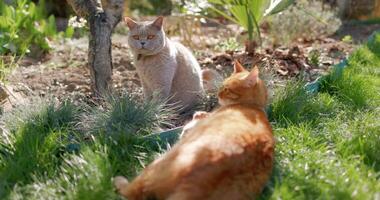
column 211, row 80
column 121, row 184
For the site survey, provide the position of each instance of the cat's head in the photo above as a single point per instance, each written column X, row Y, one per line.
column 243, row 87
column 147, row 37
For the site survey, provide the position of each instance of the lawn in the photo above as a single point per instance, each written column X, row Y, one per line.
column 328, row 142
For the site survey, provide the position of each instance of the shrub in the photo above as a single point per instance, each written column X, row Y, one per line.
column 23, row 28
column 312, row 21
column 128, row 115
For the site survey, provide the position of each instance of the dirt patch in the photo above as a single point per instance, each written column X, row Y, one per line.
column 63, row 74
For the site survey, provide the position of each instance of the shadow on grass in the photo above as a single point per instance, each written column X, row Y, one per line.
column 374, row 43
column 37, row 145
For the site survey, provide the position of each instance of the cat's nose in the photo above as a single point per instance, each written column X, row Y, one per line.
column 142, row 43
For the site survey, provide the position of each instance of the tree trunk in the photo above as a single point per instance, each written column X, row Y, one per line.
column 99, row 53
column 102, row 18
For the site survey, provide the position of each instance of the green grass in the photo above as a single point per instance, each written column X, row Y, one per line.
column 47, row 152
column 328, row 143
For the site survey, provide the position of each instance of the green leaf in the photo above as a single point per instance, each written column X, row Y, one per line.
column 12, row 47
column 246, row 13
column 225, row 15
column 277, row 6
column 69, row 32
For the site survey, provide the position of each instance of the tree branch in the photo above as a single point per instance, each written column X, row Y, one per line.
column 84, row 8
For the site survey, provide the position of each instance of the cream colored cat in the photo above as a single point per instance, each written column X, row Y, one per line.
column 164, row 66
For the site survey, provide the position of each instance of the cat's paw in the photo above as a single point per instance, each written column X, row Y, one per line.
column 120, row 184
column 196, row 117
column 200, row 115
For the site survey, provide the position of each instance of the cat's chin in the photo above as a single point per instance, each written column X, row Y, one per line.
column 146, row 52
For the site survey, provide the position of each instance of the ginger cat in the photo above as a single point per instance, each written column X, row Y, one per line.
column 164, row 67
column 227, row 155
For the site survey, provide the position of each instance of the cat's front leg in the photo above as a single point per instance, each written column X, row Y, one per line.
column 148, row 94
column 162, row 85
column 198, row 115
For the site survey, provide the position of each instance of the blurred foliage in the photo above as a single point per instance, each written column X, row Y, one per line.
column 305, row 19
column 151, row 7
column 229, row 44
column 248, row 13
column 347, row 39
column 192, row 7
column 314, row 57
column 25, row 27
column 7, row 63
column 76, row 27
column 57, row 8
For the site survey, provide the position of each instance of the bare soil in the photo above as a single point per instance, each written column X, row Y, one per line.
column 63, row 73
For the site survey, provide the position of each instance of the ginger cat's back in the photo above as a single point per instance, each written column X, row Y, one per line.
column 227, row 155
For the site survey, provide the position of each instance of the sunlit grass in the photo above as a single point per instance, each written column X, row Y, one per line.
column 36, row 142
column 327, row 142
column 46, row 153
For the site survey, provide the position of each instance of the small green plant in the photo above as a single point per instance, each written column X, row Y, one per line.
column 7, row 63
column 230, row 44
column 347, row 39
column 128, row 115
column 75, row 25
column 23, row 27
column 314, row 57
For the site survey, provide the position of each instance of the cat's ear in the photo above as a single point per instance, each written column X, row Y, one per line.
column 130, row 23
column 252, row 77
column 158, row 22
column 238, row 67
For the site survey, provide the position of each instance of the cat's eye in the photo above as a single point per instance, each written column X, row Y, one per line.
column 136, row 37
column 150, row 37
